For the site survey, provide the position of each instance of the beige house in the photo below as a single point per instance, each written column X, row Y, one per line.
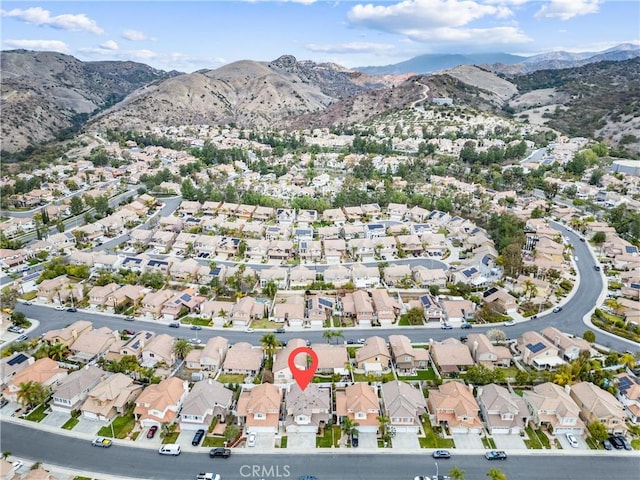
column 629, row 395
column 152, row 302
column 538, row 352
column 43, row 371
column 451, row 355
column 160, row 403
column 569, row 346
column 407, row 358
column 404, row 405
column 486, row 353
column 48, row 290
column 598, row 405
column 13, row 364
column 210, row 358
column 309, row 409
column 69, row 334
column 359, row 403
column 98, row 295
column 72, row 390
column 207, row 400
column 259, row 408
column 245, row 310
column 93, row 343
column 453, row 405
column 281, row 371
column 503, row 411
column 159, row 350
column 291, row 312
column 244, row 359
column 386, row 308
column 551, row 405
column 373, row 356
column 110, row 397
column 358, row 305
column 332, row 359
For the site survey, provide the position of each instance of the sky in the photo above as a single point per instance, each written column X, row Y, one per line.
column 189, row 36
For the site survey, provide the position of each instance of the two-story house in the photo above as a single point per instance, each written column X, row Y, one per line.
column 598, row 405
column 207, row 400
column 259, row 408
column 309, row 409
column 72, row 390
column 407, row 359
column 453, row 405
column 551, row 405
column 404, row 405
column 160, row 403
column 359, row 403
column 110, row 397
column 504, row 412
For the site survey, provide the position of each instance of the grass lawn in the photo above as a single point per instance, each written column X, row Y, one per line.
column 488, row 443
column 170, row 438
column 509, row 372
column 432, row 439
column 318, row 379
column 519, row 392
column 231, row 378
column 38, row 414
column 203, row 322
column 122, row 426
column 537, row 440
column 635, row 444
column 213, row 442
column 283, row 442
column 325, row 440
column 361, row 377
column 403, row 322
column 428, row 374
column 69, row 424
column 265, row 323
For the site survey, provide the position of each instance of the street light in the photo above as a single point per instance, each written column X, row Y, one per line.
column 437, row 471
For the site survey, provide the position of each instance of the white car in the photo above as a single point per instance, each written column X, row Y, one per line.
column 61, row 307
column 251, row 440
column 208, row 476
column 17, row 465
column 249, row 330
column 509, row 323
column 573, row 441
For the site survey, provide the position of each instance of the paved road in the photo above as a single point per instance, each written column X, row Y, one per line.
column 130, row 461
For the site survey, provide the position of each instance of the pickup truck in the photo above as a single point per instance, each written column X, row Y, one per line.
column 219, row 452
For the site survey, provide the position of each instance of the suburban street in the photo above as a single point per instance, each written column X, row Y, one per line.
column 133, row 461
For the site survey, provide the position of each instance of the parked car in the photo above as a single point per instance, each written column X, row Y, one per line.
column 102, row 442
column 60, row 307
column 441, row 454
column 152, row 431
column 351, row 341
column 354, row 439
column 27, row 303
column 616, row 441
column 196, row 327
column 607, row 444
column 249, row 330
column 280, row 330
column 360, row 341
column 197, row 438
column 251, row 440
column 596, row 268
column 128, row 331
column 625, row 442
column 495, row 455
column 174, row 324
column 72, row 309
column 557, row 309
column 17, row 465
column 15, row 329
column 446, row 326
column 466, row 326
column 220, row 452
column 129, row 318
column 208, row 476
column 509, row 323
column 573, row 441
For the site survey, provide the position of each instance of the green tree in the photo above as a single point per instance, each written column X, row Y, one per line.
column 496, row 474
column 101, row 205
column 598, row 431
column 270, row 345
column 599, row 238
column 270, row 289
column 19, row 319
column 415, row 316
column 8, row 297
column 589, row 336
column 456, row 473
column 57, row 351
column 349, row 427
column 31, row 394
column 182, row 347
column 76, row 206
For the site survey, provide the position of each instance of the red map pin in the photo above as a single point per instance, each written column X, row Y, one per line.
column 303, row 377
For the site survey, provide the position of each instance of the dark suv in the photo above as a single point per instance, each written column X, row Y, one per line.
column 617, row 442
column 197, row 438
column 219, row 452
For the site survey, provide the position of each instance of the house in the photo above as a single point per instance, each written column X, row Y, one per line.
column 396, row 274
column 598, row 405
column 181, row 302
column 159, row 350
column 500, row 301
column 403, row 405
column 280, row 250
column 453, row 405
column 259, row 408
column 386, row 308
column 68, row 335
column 43, row 371
column 407, row 359
column 359, row 403
column 458, row 311
column 212, row 355
column 332, row 359
column 334, row 251
column 358, row 305
column 301, row 277
column 126, row 295
column 245, row 310
column 207, row 400
column 432, row 310
column 569, row 347
column 243, row 358
column 309, row 409
column 363, row 276
column 281, row 371
column 310, row 251
column 551, row 406
column 450, row 355
column 337, row 275
column 334, row 215
column 486, row 353
column 424, row 277
column 93, row 343
column 98, row 295
column 72, row 390
column 275, row 274
column 538, row 352
column 503, row 411
column 373, row 356
column 397, row 211
column 152, row 302
column 13, row 364
column 318, row 309
column 160, row 403
column 51, row 288
column 133, row 346
column 110, row 397
column 291, row 312
column 629, row 395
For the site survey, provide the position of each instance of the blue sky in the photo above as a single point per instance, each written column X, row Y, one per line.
column 188, row 36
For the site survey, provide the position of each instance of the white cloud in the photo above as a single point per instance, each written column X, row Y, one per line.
column 110, row 45
column 566, row 9
column 476, row 36
column 351, row 47
column 48, row 45
column 39, row 16
column 134, row 35
column 422, row 14
column 110, row 49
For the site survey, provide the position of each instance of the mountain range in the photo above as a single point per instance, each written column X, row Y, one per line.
column 505, row 62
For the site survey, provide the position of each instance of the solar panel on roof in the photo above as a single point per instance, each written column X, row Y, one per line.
column 631, row 249
column 485, row 260
column 216, row 271
column 185, row 297
column 325, row 302
column 310, row 303
column 425, row 301
column 136, row 345
column 635, row 286
column 17, row 359
column 535, row 348
column 148, row 335
column 490, row 292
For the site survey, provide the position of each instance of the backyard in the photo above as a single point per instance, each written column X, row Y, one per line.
column 428, row 374
column 227, row 378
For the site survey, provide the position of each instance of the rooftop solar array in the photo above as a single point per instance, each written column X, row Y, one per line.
column 185, row 297
column 425, row 300
column 325, row 302
column 536, row 347
column 486, row 259
column 490, row 292
column 18, row 359
column 631, row 249
column 470, row 271
column 310, row 303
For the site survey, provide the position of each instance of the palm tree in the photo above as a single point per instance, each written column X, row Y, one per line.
column 349, row 427
column 456, row 473
column 496, row 474
column 270, row 344
column 57, row 351
column 181, row 348
column 386, row 432
column 628, row 359
column 529, row 288
column 32, row 393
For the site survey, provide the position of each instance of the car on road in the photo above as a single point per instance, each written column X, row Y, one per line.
column 495, row 455
column 17, row 465
column 15, row 329
column 61, row 307
column 196, row 327
column 280, row 330
column 27, row 303
column 197, row 438
column 557, row 309
column 170, row 449
column 152, row 431
column 582, row 239
column 360, row 341
column 249, row 330
column 251, row 440
column 573, row 441
column 219, row 452
column 509, row 323
column 351, row 341
column 102, row 442
column 129, row 318
column 596, row 268
column 446, row 326
column 607, row 444
column 208, row 476
column 174, row 324
column 72, row 309
column 128, row 331
column 22, row 338
column 465, row 326
column 441, row 454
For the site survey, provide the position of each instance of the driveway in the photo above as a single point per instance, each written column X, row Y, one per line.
column 301, row 441
column 404, row 440
column 562, row 439
column 55, row 419
column 509, row 442
column 368, row 440
column 265, row 441
column 87, row 426
column 470, row 441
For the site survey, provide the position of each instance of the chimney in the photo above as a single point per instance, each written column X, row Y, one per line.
column 567, row 388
